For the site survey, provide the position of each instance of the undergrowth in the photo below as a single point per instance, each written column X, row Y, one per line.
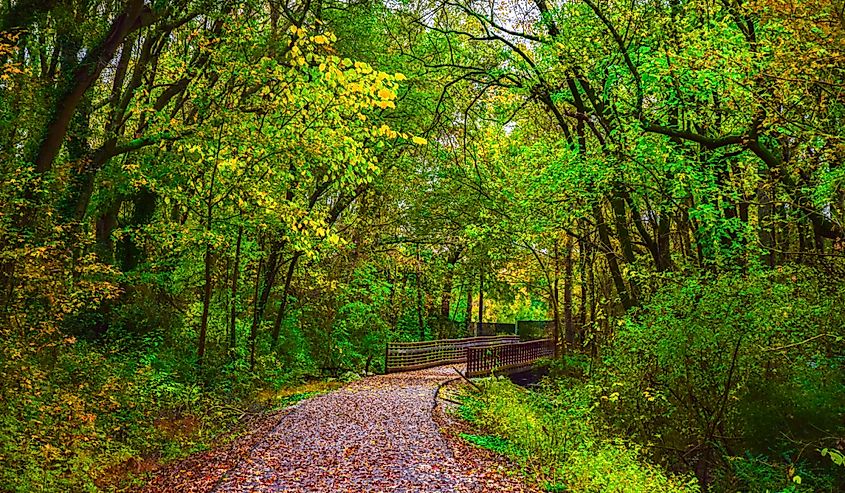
column 556, row 444
column 90, row 417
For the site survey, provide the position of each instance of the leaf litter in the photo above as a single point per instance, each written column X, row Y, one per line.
column 379, row 434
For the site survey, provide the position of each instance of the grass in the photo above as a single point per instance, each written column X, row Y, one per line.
column 494, row 443
column 289, row 395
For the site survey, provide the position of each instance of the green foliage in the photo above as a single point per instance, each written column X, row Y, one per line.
column 551, row 435
column 79, row 412
column 736, row 362
column 492, row 442
column 219, row 199
column 83, row 413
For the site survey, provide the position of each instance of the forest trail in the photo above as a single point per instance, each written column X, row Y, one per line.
column 376, row 434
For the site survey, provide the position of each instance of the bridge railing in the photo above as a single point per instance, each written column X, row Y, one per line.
column 481, row 361
column 404, row 356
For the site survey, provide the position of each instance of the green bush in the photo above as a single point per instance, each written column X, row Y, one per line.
column 552, row 435
column 712, row 367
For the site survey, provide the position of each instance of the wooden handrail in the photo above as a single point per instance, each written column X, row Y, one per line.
column 482, row 361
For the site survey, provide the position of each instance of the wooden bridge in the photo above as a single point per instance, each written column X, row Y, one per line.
column 482, row 355
column 482, row 361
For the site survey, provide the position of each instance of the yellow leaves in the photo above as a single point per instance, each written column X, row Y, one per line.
column 9, row 70
column 399, row 77
column 385, row 95
column 50, row 452
column 613, row 397
column 8, row 49
column 387, row 131
column 363, row 68
column 419, row 141
column 230, row 164
column 321, row 40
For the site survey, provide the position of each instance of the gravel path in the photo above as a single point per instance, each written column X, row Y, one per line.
column 373, row 435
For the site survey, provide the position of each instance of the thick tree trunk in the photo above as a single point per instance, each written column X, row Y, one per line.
column 130, row 253
column 765, row 223
column 136, row 16
column 622, row 232
column 105, row 226
column 446, row 297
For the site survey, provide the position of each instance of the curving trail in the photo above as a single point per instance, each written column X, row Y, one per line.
column 377, row 434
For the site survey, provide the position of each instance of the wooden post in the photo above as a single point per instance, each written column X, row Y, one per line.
column 386, row 352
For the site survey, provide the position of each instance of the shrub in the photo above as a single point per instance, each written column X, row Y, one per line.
column 551, row 434
column 713, row 366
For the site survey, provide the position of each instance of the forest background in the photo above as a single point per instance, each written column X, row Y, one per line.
column 204, row 202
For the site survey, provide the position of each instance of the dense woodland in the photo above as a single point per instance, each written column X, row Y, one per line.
column 205, row 201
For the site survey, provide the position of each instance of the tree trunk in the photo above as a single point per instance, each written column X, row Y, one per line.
column 233, row 309
column 555, row 303
column 253, row 332
column 764, row 218
column 143, row 205
column 627, row 300
column 622, row 232
column 593, row 308
column 280, row 315
column 567, row 295
column 206, row 300
column 136, row 15
column 480, row 300
column 468, row 313
column 271, row 269
column 582, row 312
column 418, row 279
column 104, row 228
